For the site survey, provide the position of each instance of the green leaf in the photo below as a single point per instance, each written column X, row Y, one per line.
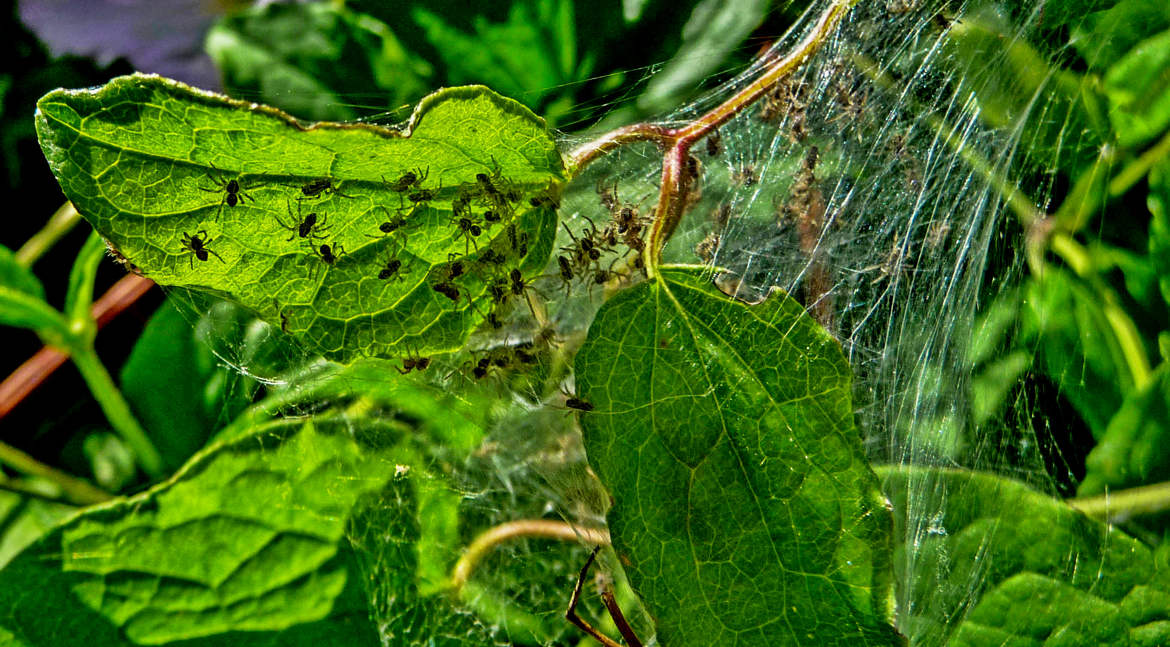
column 167, row 378
column 17, row 277
column 245, row 546
column 990, row 387
column 1031, row 609
column 149, row 162
column 1103, row 37
column 715, row 29
column 1133, row 450
column 744, row 508
column 1063, row 323
column 24, row 519
column 18, row 308
column 1138, row 87
column 79, row 296
column 532, row 55
column 22, row 301
column 311, row 59
column 989, row 561
column 1159, row 204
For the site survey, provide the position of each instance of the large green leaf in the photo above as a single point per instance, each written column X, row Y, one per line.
column 244, row 546
column 744, row 508
column 991, row 562
column 150, row 162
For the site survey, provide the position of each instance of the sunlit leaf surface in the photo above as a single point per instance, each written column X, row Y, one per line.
column 348, row 236
column 1003, row 564
column 744, row 510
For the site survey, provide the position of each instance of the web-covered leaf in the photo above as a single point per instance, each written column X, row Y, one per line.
column 390, row 536
column 1003, row 564
column 345, row 235
column 744, row 509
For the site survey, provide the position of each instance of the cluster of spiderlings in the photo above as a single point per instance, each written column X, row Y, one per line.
column 620, row 236
column 490, row 200
column 518, row 356
column 475, row 208
column 309, row 228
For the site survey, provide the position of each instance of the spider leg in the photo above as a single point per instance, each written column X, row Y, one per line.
column 619, row 618
column 571, row 612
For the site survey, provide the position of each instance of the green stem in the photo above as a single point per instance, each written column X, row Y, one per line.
column 62, row 222
column 1125, row 504
column 74, row 489
column 1139, row 168
column 117, row 410
column 1125, row 331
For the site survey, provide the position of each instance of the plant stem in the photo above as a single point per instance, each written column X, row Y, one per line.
column 61, row 223
column 117, row 410
column 1124, row 504
column 591, row 151
column 1125, row 331
column 677, row 142
column 74, row 489
column 1136, row 170
column 35, row 370
column 539, row 528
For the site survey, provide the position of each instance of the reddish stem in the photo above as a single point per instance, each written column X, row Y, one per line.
column 676, row 142
column 36, row 369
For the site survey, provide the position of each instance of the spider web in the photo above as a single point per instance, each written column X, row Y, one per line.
column 870, row 186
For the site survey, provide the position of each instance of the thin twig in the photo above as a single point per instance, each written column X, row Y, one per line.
column 538, row 528
column 1122, row 505
column 61, row 223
